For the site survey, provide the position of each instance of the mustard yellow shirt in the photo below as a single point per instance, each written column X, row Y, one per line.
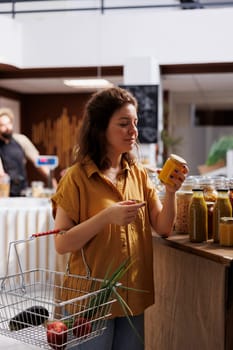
column 83, row 192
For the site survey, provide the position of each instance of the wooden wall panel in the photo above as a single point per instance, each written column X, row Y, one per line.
column 51, row 121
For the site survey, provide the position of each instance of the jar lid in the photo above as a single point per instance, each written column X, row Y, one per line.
column 226, row 220
column 189, row 183
column 220, row 182
column 206, row 180
column 178, row 159
column 209, row 203
column 230, row 183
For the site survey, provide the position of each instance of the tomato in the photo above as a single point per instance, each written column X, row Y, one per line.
column 57, row 335
column 81, row 327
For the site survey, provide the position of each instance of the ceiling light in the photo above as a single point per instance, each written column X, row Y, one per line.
column 87, row 83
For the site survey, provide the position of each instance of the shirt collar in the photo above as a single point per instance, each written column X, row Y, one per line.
column 91, row 168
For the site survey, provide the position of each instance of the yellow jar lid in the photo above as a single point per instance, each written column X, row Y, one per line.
column 178, row 159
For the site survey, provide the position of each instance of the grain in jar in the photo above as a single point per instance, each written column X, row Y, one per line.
column 183, row 199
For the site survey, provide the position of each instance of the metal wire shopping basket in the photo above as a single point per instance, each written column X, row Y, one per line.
column 31, row 300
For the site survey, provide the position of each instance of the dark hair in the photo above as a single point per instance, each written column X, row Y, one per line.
column 98, row 112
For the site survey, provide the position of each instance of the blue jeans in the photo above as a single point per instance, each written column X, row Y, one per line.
column 118, row 336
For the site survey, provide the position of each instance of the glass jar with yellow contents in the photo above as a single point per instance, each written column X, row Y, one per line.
column 174, row 162
column 210, row 195
column 226, row 231
column 222, row 207
column 198, row 217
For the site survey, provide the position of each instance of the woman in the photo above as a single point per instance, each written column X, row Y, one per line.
column 107, row 205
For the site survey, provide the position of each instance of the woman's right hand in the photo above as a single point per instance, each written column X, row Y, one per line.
column 123, row 213
column 76, row 236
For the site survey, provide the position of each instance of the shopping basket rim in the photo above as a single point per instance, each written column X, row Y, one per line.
column 4, row 279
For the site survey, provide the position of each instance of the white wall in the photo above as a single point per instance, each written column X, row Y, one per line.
column 86, row 39
column 11, row 45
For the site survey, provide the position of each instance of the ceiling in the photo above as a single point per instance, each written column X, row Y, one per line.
column 199, row 82
column 46, row 85
column 208, row 80
column 205, row 79
column 51, row 80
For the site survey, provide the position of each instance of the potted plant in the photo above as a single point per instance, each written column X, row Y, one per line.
column 217, row 155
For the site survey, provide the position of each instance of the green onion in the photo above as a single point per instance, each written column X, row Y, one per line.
column 109, row 287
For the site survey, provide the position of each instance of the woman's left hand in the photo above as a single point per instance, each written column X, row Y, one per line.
column 177, row 177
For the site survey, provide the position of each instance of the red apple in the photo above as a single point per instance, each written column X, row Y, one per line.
column 81, row 327
column 57, row 335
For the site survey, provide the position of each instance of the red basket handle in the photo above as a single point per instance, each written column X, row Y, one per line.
column 46, row 233
column 15, row 243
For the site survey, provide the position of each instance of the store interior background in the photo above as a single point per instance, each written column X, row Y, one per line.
column 199, row 38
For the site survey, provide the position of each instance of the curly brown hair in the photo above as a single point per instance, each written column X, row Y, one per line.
column 98, row 112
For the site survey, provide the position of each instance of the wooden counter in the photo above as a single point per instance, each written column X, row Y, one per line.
column 193, row 308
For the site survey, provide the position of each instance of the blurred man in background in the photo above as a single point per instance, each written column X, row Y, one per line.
column 15, row 150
